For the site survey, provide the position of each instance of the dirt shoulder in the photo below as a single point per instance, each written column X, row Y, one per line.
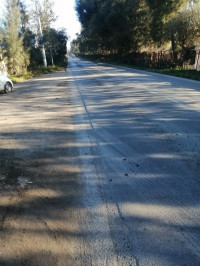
column 39, row 174
column 51, row 207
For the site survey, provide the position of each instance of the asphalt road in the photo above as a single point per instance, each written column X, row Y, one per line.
column 100, row 165
column 145, row 131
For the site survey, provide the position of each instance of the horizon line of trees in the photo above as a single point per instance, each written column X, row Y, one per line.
column 27, row 37
column 130, row 26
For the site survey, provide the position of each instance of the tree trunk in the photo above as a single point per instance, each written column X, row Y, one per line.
column 52, row 62
column 41, row 36
column 197, row 61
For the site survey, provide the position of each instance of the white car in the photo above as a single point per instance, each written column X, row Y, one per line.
column 6, row 84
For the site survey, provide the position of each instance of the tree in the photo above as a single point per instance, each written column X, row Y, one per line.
column 46, row 13
column 183, row 30
column 114, row 25
column 23, row 16
column 12, row 40
column 42, row 17
column 56, row 42
column 161, row 12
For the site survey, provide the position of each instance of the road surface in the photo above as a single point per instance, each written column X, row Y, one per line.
column 100, row 165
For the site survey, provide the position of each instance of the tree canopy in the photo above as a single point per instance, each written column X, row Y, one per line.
column 123, row 26
column 21, row 41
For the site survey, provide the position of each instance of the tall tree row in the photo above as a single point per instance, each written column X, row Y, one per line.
column 124, row 26
column 27, row 36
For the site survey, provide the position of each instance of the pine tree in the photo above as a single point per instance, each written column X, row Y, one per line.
column 17, row 58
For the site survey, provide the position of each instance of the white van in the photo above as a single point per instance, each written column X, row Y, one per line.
column 6, row 84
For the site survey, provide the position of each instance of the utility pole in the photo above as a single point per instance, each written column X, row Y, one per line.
column 41, row 35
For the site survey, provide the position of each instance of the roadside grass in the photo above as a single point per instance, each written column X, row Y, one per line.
column 187, row 73
column 182, row 73
column 38, row 71
column 177, row 72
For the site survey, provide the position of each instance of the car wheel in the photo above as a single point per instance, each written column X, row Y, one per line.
column 8, row 87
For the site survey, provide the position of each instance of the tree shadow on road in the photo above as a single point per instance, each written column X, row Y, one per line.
column 75, row 174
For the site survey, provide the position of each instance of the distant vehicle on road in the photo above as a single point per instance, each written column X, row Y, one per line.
column 6, row 84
